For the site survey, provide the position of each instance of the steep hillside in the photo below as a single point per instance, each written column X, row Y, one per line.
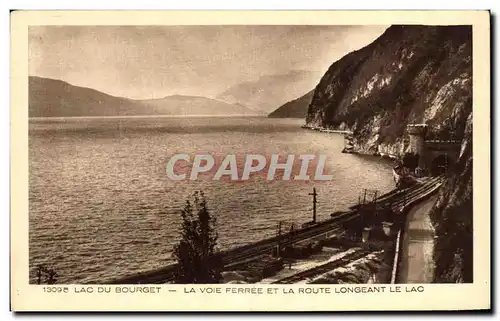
column 270, row 91
column 55, row 98
column 453, row 220
column 296, row 108
column 194, row 105
column 410, row 74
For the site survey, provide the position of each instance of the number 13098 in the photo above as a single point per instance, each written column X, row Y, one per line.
column 55, row 289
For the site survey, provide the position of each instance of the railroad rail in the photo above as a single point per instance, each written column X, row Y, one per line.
column 396, row 199
column 323, row 268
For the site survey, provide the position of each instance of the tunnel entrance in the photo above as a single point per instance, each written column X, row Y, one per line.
column 440, row 165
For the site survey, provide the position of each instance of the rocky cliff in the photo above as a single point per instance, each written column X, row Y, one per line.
column 452, row 218
column 410, row 74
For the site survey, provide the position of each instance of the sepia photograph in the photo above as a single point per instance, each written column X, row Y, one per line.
column 251, row 154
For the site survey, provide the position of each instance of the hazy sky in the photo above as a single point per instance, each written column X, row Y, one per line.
column 156, row 61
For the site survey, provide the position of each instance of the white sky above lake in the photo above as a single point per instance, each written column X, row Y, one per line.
column 155, row 61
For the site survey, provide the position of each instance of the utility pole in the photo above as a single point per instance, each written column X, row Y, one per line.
column 314, row 194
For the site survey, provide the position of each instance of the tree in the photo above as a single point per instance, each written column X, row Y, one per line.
column 196, row 254
column 50, row 276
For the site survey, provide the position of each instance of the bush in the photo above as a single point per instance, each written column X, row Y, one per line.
column 196, row 254
column 45, row 275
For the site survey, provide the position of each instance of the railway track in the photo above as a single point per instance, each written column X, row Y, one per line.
column 395, row 199
column 323, row 268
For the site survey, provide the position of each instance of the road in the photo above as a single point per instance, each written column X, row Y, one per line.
column 417, row 263
column 396, row 199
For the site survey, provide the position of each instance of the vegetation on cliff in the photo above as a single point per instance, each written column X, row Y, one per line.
column 410, row 74
column 452, row 217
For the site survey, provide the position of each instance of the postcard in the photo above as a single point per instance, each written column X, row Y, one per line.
column 250, row 160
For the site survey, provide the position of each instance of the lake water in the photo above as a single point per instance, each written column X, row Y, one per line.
column 101, row 205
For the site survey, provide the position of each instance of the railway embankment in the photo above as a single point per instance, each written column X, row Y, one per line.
column 307, row 242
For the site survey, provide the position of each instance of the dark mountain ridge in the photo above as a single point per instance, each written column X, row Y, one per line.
column 56, row 98
column 296, row 108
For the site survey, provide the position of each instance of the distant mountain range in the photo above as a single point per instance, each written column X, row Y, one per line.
column 296, row 108
column 271, row 91
column 56, row 98
column 196, row 105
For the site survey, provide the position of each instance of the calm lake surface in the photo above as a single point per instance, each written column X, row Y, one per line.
column 101, row 205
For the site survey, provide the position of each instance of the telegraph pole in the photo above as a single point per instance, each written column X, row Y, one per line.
column 314, row 194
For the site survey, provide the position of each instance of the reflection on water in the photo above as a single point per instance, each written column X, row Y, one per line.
column 101, row 205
